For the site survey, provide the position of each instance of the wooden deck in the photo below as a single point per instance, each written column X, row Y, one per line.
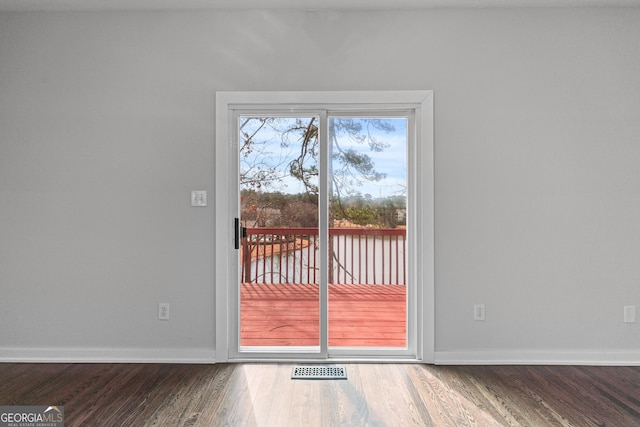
column 288, row 315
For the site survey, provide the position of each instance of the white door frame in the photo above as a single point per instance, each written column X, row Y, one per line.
column 422, row 193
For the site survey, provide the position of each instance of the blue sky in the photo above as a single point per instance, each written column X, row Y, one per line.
column 269, row 152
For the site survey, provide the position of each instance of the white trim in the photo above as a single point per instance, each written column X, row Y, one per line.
column 359, row 359
column 422, row 102
column 322, row 97
column 222, row 221
column 106, row 355
column 425, row 228
column 323, row 226
column 538, row 357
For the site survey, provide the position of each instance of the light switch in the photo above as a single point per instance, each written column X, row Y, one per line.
column 199, row 198
column 629, row 314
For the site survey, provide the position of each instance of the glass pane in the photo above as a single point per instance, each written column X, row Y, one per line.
column 367, row 232
column 279, row 291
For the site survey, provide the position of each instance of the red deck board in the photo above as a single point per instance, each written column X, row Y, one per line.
column 359, row 315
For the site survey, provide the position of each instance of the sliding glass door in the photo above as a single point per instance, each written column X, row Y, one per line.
column 321, row 232
column 279, row 274
column 367, row 231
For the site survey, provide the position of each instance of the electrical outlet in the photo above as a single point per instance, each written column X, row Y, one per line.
column 163, row 311
column 478, row 312
column 629, row 314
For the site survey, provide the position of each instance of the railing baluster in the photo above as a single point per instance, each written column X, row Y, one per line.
column 330, row 258
column 390, row 263
column 366, row 257
column 286, row 258
column 316, row 278
column 375, row 247
column 397, row 258
column 271, row 258
column 404, row 260
column 374, row 257
column 344, row 263
column 263, row 246
column 302, row 265
column 277, row 245
column 256, row 245
column 337, row 260
column 353, row 262
column 359, row 258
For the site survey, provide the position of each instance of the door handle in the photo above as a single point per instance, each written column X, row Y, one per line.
column 237, row 233
column 240, row 233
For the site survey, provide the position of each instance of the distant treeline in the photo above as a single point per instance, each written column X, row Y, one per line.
column 276, row 209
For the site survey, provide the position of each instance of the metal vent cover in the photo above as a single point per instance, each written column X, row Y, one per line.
column 319, row 372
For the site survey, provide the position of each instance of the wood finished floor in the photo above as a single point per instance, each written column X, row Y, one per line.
column 374, row 395
column 288, row 315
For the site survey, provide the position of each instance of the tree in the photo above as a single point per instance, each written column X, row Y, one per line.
column 364, row 215
column 298, row 214
column 276, row 150
column 350, row 166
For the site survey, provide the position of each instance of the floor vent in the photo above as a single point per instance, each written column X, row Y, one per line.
column 319, row 373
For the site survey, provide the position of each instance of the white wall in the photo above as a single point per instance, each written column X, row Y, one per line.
column 107, row 123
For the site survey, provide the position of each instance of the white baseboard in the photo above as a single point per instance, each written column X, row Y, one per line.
column 533, row 357
column 106, row 355
column 205, row 356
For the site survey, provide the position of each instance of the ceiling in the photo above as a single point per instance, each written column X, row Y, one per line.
column 97, row 5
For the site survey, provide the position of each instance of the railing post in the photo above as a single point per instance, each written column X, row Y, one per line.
column 246, row 259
